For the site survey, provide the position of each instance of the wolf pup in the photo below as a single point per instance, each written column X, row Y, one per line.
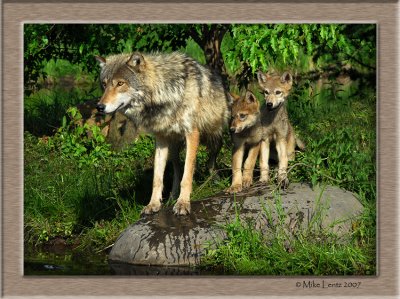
column 246, row 134
column 276, row 126
column 172, row 97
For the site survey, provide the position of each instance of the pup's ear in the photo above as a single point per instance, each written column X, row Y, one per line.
column 262, row 77
column 234, row 97
column 287, row 78
column 136, row 62
column 101, row 61
column 250, row 97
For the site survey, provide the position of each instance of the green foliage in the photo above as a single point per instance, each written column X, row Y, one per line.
column 77, row 188
column 341, row 147
column 59, row 68
column 84, row 142
column 262, row 46
column 244, row 242
column 43, row 42
column 45, row 108
column 254, row 46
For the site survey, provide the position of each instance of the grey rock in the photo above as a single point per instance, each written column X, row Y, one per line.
column 164, row 239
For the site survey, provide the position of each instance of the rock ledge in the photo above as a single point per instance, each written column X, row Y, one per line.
column 164, row 239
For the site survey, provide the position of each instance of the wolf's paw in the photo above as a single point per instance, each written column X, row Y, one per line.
column 182, row 207
column 264, row 179
column 234, row 189
column 247, row 182
column 151, row 208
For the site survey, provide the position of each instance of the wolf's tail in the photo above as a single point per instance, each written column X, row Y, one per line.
column 300, row 144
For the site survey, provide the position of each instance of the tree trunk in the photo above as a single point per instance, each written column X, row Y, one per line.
column 210, row 39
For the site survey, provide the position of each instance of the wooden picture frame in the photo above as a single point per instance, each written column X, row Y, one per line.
column 16, row 13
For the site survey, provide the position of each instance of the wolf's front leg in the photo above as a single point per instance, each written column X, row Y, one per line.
column 281, row 147
column 237, row 160
column 249, row 164
column 182, row 206
column 160, row 160
column 264, row 160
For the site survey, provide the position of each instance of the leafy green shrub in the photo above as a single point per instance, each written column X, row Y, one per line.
column 261, row 46
column 58, row 68
column 83, row 142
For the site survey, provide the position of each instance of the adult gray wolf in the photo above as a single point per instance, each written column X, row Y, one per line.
column 276, row 125
column 246, row 133
column 174, row 98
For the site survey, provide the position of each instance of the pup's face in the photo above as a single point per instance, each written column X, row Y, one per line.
column 275, row 88
column 245, row 112
column 121, row 85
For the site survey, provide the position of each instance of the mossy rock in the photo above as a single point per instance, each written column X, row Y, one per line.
column 164, row 239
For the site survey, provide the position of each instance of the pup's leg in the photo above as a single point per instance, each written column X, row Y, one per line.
column 264, row 160
column 182, row 206
column 249, row 165
column 160, row 160
column 237, row 160
column 291, row 143
column 281, row 147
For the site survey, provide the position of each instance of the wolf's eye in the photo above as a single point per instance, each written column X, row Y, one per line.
column 120, row 83
column 278, row 92
column 266, row 92
column 104, row 84
column 242, row 116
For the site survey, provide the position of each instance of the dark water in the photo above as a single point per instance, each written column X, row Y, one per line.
column 64, row 262
column 69, row 262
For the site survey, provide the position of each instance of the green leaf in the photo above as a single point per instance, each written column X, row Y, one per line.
column 64, row 122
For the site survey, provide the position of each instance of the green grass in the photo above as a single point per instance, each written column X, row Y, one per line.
column 89, row 204
column 45, row 108
column 341, row 140
column 61, row 71
column 79, row 190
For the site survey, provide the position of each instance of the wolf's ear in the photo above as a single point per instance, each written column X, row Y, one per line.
column 136, row 62
column 250, row 97
column 101, row 61
column 262, row 77
column 287, row 78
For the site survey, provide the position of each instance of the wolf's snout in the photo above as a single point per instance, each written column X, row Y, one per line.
column 269, row 105
column 100, row 107
column 232, row 129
